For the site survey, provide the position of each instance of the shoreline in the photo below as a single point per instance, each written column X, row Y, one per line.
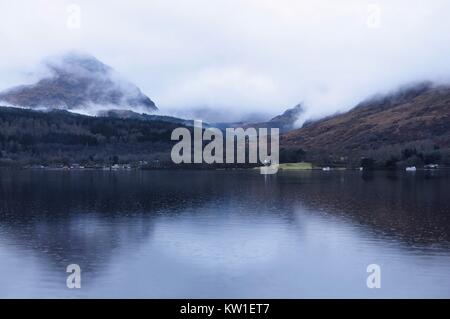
column 203, row 168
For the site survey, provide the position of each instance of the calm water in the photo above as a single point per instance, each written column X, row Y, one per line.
column 187, row 234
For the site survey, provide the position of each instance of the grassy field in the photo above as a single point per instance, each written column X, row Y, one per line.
column 296, row 166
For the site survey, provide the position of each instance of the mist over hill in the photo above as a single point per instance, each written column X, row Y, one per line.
column 410, row 126
column 80, row 83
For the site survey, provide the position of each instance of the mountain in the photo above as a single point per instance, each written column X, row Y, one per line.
column 81, row 83
column 414, row 120
column 285, row 122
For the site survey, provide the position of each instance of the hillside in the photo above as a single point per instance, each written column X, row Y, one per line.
column 57, row 137
column 411, row 126
column 127, row 114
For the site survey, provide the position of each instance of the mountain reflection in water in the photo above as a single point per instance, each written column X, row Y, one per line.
column 186, row 234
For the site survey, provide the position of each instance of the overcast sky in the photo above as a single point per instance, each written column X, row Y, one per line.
column 238, row 56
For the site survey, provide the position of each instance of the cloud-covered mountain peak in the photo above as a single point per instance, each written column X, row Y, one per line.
column 79, row 82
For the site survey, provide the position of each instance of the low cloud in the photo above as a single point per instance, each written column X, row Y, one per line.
column 241, row 56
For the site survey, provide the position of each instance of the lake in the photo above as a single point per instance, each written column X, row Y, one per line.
column 224, row 234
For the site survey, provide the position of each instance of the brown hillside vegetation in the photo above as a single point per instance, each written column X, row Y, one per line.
column 416, row 118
